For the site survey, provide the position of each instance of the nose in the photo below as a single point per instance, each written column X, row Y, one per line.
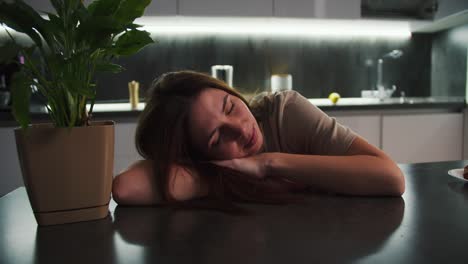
column 236, row 129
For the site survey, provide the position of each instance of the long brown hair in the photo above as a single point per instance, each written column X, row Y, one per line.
column 162, row 136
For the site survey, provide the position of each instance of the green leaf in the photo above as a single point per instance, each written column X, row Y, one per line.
column 77, row 87
column 129, row 10
column 21, row 94
column 58, row 6
column 131, row 42
column 55, row 27
column 109, row 67
column 98, row 31
column 22, row 18
column 82, row 13
column 72, row 108
column 103, row 7
column 133, row 26
column 56, row 22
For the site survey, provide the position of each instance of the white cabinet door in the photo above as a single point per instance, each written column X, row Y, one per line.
column 367, row 126
column 424, row 137
column 125, row 151
column 161, row 8
column 226, row 7
column 339, row 9
column 10, row 171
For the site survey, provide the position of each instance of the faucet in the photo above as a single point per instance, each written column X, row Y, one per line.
column 394, row 54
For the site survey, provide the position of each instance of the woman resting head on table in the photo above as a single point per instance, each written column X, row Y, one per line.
column 200, row 138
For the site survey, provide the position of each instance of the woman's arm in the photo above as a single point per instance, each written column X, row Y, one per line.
column 365, row 170
column 137, row 186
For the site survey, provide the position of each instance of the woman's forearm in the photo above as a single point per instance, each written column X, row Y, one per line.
column 355, row 175
column 137, row 185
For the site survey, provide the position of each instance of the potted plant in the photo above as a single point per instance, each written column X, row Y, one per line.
column 67, row 165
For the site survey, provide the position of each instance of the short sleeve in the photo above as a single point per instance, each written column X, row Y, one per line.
column 305, row 129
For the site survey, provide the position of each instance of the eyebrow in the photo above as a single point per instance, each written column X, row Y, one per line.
column 223, row 109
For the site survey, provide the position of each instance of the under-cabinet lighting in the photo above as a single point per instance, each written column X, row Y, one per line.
column 275, row 27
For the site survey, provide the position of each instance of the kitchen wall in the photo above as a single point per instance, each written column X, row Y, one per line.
column 318, row 65
column 449, row 59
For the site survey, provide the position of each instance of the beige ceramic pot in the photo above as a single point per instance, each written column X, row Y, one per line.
column 67, row 172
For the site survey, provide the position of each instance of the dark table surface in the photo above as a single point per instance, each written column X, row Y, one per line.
column 429, row 224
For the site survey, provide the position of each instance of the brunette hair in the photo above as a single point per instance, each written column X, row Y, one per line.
column 162, row 136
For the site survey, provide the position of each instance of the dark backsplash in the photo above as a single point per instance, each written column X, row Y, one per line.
column 318, row 66
column 449, row 55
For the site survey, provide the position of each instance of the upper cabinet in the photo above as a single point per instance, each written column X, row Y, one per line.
column 334, row 9
column 450, row 7
column 40, row 5
column 450, row 14
column 399, row 9
column 45, row 5
column 161, row 8
column 155, row 8
column 225, row 8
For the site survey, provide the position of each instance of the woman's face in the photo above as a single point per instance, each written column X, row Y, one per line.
column 222, row 126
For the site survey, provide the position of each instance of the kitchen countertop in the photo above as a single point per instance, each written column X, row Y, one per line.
column 428, row 224
column 122, row 109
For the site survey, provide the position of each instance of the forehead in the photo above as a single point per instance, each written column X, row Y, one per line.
column 208, row 96
column 208, row 102
column 204, row 113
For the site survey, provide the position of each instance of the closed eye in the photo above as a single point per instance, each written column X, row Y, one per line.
column 216, row 143
column 232, row 108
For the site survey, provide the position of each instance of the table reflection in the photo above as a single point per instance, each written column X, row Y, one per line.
column 58, row 243
column 353, row 227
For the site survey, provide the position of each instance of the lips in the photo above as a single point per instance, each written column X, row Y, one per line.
column 252, row 140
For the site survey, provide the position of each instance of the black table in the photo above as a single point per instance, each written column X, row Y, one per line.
column 429, row 224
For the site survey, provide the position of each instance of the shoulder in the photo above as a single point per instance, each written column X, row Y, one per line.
column 275, row 102
column 292, row 105
column 284, row 97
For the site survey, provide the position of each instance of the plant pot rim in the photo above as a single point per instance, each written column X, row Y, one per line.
column 51, row 125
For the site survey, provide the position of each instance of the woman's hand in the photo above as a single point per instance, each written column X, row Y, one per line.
column 254, row 166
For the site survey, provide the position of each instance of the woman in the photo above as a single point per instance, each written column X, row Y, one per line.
column 200, row 138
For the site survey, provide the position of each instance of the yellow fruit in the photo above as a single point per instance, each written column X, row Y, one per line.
column 334, row 97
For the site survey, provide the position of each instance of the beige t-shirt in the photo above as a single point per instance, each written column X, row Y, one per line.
column 291, row 124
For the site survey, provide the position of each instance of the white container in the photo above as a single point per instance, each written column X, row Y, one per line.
column 223, row 73
column 281, row 82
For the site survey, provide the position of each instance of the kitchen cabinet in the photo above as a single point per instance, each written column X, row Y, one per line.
column 45, row 5
column 338, row 9
column 40, row 5
column 10, row 170
column 155, row 8
column 124, row 151
column 465, row 134
column 161, row 8
column 423, row 137
column 450, row 7
column 367, row 126
column 225, row 8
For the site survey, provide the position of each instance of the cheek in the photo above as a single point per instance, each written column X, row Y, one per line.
column 245, row 113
